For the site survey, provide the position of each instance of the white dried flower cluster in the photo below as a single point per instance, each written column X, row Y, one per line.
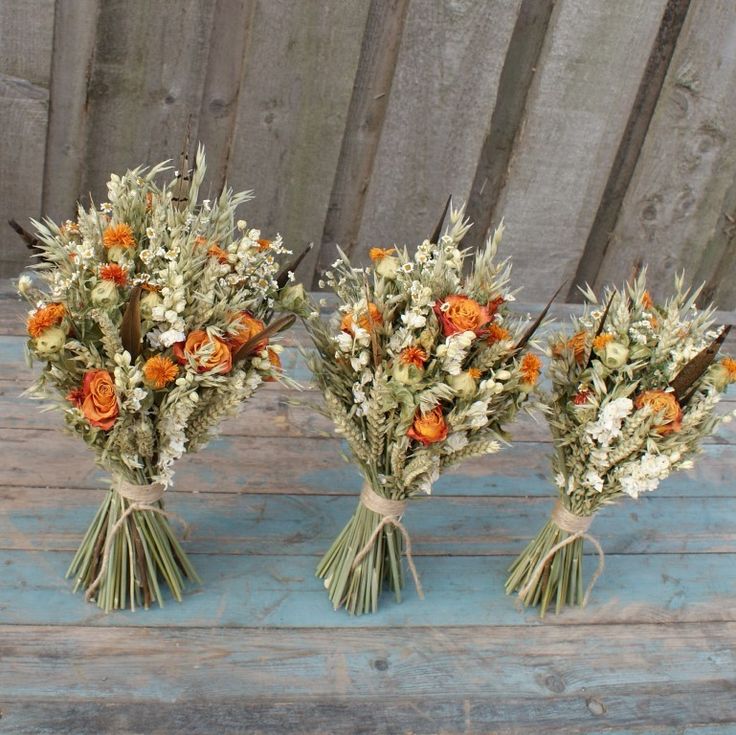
column 204, row 283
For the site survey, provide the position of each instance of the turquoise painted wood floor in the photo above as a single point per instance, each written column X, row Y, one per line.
column 258, row 649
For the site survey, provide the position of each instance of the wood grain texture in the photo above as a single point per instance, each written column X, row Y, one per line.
column 594, row 53
column 449, row 63
column 683, row 186
column 26, row 31
column 297, row 80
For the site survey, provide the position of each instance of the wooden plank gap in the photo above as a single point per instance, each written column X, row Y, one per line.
column 629, row 147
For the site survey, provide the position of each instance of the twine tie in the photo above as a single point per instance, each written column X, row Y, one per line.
column 577, row 527
column 390, row 512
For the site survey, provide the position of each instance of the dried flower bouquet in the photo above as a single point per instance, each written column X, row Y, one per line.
column 150, row 327
column 632, row 397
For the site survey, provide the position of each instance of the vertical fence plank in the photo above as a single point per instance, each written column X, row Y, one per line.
column 443, row 95
column 147, row 78
column 589, row 73
column 299, row 73
column 682, row 186
column 371, row 93
column 26, row 32
column 66, row 139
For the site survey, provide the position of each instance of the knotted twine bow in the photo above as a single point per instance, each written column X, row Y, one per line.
column 577, row 527
column 390, row 512
column 141, row 497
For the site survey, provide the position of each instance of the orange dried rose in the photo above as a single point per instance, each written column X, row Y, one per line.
column 264, row 244
column 118, row 236
column 530, row 368
column 247, row 327
column 413, row 356
column 457, row 313
column 496, row 333
column 364, row 320
column 115, row 273
column 378, row 254
column 100, row 402
column 208, row 353
column 666, row 405
column 159, row 371
column 578, row 344
column 44, row 318
column 429, row 427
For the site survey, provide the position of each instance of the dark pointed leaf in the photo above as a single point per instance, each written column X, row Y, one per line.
column 180, row 190
column 283, row 277
column 279, row 325
column 435, row 236
column 130, row 327
column 682, row 384
column 522, row 343
column 31, row 241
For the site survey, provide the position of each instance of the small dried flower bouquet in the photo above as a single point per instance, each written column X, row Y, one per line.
column 423, row 368
column 632, row 397
column 151, row 327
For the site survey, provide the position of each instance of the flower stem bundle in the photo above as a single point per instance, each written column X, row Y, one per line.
column 422, row 368
column 633, row 395
column 151, row 325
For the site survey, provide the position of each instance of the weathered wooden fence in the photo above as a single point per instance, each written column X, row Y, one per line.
column 602, row 131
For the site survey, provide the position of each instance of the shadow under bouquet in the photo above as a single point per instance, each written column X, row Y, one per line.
column 422, row 368
column 151, row 327
column 633, row 395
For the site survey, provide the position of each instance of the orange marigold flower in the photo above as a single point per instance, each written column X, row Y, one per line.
column 413, row 356
column 367, row 319
column 646, row 301
column 578, row 344
column 376, row 254
column 496, row 333
column 474, row 373
column 601, row 341
column 42, row 319
column 730, row 365
column 115, row 273
column 665, row 404
column 159, row 371
column 530, row 368
column 264, row 244
column 215, row 251
column 581, row 397
column 118, row 236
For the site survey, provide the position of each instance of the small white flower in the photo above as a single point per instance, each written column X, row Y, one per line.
column 241, row 224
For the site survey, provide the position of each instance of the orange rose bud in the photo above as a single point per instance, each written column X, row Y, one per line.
column 578, row 345
column 413, row 356
column 646, row 301
column 115, row 273
column 247, row 327
column 159, row 371
column 100, row 402
column 378, row 254
column 215, row 251
column 75, row 397
column 664, row 404
column 208, row 353
column 275, row 360
column 428, row 428
column 581, row 397
column 496, row 333
column 42, row 319
column 264, row 244
column 457, row 313
column 530, row 368
column 118, row 236
column 364, row 320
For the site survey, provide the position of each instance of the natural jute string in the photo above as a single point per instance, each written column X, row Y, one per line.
column 141, row 497
column 390, row 512
column 577, row 527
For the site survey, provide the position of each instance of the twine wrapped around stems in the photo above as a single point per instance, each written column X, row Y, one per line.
column 141, row 497
column 577, row 527
column 390, row 512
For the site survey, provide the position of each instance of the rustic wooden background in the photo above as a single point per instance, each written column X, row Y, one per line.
column 602, row 131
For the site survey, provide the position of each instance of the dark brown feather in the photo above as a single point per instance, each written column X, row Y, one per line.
column 536, row 323
column 180, row 190
column 683, row 383
column 283, row 277
column 435, row 236
column 130, row 327
column 601, row 324
column 274, row 327
column 31, row 241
